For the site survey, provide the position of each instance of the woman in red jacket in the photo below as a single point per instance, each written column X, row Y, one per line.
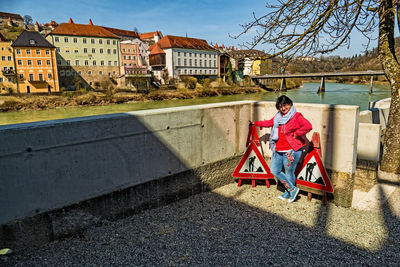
column 286, row 142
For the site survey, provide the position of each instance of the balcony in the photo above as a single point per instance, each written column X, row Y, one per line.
column 9, row 72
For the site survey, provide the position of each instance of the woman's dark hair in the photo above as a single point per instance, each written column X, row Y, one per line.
column 283, row 100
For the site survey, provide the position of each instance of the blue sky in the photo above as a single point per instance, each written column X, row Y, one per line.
column 212, row 20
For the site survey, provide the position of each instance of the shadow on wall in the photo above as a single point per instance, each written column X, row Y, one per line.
column 63, row 176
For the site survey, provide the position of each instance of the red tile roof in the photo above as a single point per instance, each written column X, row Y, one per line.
column 149, row 35
column 156, row 49
column 120, row 32
column 11, row 15
column 170, row 41
column 82, row 30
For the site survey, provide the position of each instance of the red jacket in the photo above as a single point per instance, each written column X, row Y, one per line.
column 298, row 125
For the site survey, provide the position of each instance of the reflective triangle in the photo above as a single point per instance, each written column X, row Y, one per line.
column 252, row 164
column 313, row 174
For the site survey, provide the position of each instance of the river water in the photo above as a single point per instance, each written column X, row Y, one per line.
column 336, row 93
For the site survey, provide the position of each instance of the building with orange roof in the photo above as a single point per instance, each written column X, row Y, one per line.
column 36, row 64
column 132, row 38
column 87, row 54
column 8, row 81
column 151, row 37
column 179, row 56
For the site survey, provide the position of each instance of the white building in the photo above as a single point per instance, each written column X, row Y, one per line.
column 179, row 56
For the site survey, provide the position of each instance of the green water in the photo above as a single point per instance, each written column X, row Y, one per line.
column 336, row 93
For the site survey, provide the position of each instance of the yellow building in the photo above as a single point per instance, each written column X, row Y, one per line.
column 7, row 68
column 35, row 63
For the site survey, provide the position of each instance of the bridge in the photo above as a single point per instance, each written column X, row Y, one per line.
column 261, row 79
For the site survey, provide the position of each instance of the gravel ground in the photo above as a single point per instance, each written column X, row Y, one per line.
column 231, row 226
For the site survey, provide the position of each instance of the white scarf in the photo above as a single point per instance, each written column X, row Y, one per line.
column 279, row 120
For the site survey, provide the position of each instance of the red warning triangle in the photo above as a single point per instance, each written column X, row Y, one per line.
column 253, row 165
column 313, row 174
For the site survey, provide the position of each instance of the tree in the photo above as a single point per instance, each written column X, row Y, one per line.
column 301, row 27
column 28, row 20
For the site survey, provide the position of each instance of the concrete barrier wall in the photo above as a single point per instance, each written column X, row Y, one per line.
column 48, row 165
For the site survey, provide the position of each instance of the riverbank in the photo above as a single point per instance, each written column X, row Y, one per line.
column 92, row 98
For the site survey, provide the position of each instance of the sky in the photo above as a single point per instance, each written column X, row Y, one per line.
column 212, row 20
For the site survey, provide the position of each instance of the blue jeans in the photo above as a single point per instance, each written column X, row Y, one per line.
column 279, row 160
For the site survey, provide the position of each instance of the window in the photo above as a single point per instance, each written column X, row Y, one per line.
column 108, row 42
column 185, row 71
column 89, row 72
column 86, row 62
column 18, row 51
column 19, row 62
column 76, row 50
column 124, row 57
column 65, row 39
column 179, row 61
column 1, row 79
column 184, row 62
column 31, row 77
column 79, row 72
column 75, row 40
column 179, row 53
column 109, row 63
column 47, row 52
column 100, row 41
column 195, row 71
column 40, row 77
column 58, row 62
column 85, row 50
column 190, row 62
column 215, row 63
column 9, row 58
column 29, row 62
column 200, row 62
column 195, row 62
column 9, row 79
column 3, row 58
column 94, row 62
column 58, row 49
column 190, row 71
column 129, row 57
column 67, row 50
column 100, row 73
column 114, row 42
column 68, row 62
column 76, row 62
column 56, row 39
column 184, row 54
column 28, row 51
column 48, row 62
column 39, row 62
column 49, row 76
column 115, row 63
column 93, row 50
column 200, row 70
column 108, row 51
column 114, row 51
column 84, row 40
column 102, row 62
column 21, row 76
column 37, row 51
column 101, row 50
column 92, row 41
column 123, row 49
